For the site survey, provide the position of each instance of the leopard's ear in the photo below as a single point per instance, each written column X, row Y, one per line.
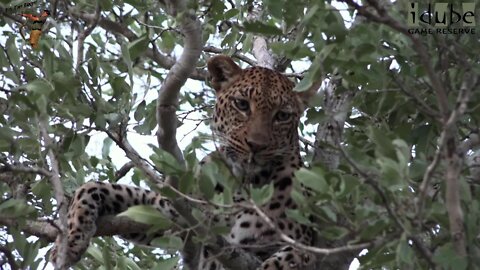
column 223, row 71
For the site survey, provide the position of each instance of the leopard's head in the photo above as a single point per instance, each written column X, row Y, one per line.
column 256, row 113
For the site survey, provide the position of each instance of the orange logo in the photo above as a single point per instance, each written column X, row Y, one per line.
column 37, row 23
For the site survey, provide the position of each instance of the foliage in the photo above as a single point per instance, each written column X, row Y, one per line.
column 394, row 130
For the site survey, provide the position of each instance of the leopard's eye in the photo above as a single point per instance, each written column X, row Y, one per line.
column 282, row 116
column 241, row 104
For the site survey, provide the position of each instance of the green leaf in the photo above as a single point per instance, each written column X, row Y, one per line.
column 95, row 252
column 14, row 208
column 3, row 59
column 446, row 258
column 140, row 111
column 261, row 28
column 298, row 216
column 12, row 51
column 137, row 47
column 167, row 42
column 42, row 189
column 334, row 233
column 165, row 161
column 92, row 65
column 130, row 263
column 275, row 8
column 310, row 77
column 8, row 134
column 148, row 215
column 40, row 87
column 404, row 251
column 262, row 195
column 168, row 242
column 167, row 264
column 364, row 49
column 314, row 179
column 384, row 146
column 119, row 86
column 107, row 143
column 230, row 13
column 206, row 187
column 186, row 183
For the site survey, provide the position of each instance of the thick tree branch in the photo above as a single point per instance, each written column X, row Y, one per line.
column 59, row 196
column 260, row 46
column 106, row 226
column 168, row 95
column 336, row 107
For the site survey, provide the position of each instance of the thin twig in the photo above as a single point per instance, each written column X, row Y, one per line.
column 124, row 170
column 85, row 33
column 376, row 186
column 324, row 251
column 121, row 29
column 384, row 18
column 25, row 169
column 238, row 55
column 424, row 107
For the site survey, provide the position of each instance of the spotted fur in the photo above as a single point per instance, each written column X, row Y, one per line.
column 255, row 125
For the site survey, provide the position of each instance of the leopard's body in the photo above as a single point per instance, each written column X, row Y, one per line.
column 255, row 123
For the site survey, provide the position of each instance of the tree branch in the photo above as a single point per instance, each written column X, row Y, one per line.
column 212, row 49
column 454, row 161
column 260, row 47
column 85, row 33
column 124, row 170
column 323, row 251
column 391, row 212
column 106, row 226
column 168, row 95
column 336, row 108
column 381, row 16
column 236, row 259
column 162, row 60
column 10, row 258
column 25, row 169
column 59, row 196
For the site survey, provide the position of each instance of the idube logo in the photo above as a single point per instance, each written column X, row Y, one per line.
column 441, row 18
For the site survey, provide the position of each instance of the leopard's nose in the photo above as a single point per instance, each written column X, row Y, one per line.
column 256, row 145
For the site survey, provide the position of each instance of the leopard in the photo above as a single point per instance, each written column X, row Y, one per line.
column 255, row 125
